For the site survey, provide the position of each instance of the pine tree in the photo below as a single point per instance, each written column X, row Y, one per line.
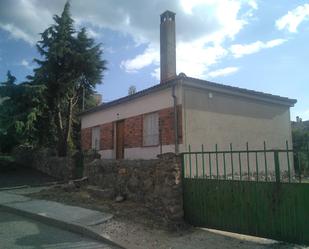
column 70, row 65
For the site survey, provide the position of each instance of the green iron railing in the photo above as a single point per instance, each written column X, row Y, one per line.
column 278, row 165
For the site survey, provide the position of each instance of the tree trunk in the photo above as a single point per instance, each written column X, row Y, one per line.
column 62, row 144
column 68, row 128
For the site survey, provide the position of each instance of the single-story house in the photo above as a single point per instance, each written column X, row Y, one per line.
column 182, row 111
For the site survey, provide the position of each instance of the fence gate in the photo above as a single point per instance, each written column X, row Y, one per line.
column 255, row 192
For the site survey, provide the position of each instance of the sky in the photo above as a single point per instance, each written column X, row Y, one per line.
column 255, row 44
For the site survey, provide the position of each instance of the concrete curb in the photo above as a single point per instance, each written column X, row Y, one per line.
column 69, row 226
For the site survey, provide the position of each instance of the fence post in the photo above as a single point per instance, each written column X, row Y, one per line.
column 183, row 166
column 277, row 166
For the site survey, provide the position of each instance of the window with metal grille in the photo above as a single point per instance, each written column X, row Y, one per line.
column 151, row 129
column 95, row 142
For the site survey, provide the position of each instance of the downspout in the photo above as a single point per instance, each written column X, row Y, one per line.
column 175, row 120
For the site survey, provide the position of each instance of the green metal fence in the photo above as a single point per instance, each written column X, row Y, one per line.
column 256, row 192
column 281, row 165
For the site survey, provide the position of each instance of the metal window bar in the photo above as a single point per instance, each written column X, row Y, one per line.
column 239, row 162
column 257, row 166
column 217, row 164
column 203, row 160
column 265, row 162
column 288, row 160
column 190, row 161
column 196, row 166
column 232, row 164
column 248, row 160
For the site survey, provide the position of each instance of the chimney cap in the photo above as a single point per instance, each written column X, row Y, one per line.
column 168, row 12
column 168, row 15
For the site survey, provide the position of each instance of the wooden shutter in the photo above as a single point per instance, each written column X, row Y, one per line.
column 151, row 129
column 95, row 142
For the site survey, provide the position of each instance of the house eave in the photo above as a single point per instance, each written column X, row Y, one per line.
column 197, row 83
column 236, row 91
column 153, row 89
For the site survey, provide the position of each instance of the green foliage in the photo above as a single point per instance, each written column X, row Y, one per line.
column 19, row 112
column 301, row 145
column 70, row 68
column 44, row 110
column 132, row 90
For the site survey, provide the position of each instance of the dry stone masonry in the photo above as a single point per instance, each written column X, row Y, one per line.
column 156, row 183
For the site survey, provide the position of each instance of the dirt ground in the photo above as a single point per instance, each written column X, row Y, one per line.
column 21, row 176
column 135, row 227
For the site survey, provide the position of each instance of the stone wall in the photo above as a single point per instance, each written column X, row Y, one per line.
column 58, row 167
column 46, row 161
column 156, row 183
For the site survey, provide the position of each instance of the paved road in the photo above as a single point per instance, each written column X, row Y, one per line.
column 22, row 233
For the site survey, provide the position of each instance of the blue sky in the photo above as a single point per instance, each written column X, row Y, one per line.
column 254, row 44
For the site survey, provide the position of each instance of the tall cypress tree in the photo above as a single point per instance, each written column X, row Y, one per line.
column 71, row 64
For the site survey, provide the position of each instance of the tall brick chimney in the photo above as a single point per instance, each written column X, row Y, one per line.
column 167, row 46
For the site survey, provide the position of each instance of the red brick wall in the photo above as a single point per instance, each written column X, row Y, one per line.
column 86, row 139
column 133, row 130
column 166, row 117
column 107, row 136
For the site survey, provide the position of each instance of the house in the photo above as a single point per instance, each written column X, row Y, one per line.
column 182, row 111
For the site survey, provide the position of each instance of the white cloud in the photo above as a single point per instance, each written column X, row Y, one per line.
column 25, row 64
column 17, row 33
column 293, row 18
column 195, row 55
column 202, row 26
column 253, row 4
column 147, row 58
column 239, row 50
column 156, row 73
column 24, row 19
column 92, row 33
column 223, row 72
column 194, row 59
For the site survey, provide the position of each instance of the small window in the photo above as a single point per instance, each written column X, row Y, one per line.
column 95, row 142
column 151, row 129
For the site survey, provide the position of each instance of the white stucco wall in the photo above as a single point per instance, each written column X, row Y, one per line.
column 140, row 152
column 212, row 118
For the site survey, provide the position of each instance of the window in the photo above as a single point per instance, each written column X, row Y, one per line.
column 151, row 129
column 95, row 141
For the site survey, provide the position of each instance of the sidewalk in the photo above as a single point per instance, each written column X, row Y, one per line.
column 74, row 219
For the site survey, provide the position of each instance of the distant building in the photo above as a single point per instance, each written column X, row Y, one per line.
column 182, row 111
column 300, row 124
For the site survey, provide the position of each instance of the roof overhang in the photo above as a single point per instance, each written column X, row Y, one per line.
column 236, row 91
column 182, row 79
